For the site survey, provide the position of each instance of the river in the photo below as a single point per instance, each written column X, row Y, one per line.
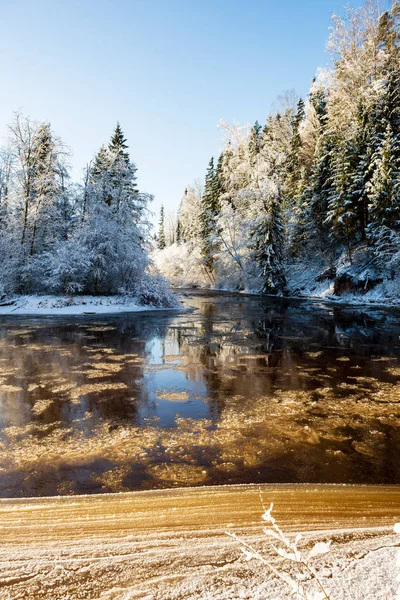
column 235, row 389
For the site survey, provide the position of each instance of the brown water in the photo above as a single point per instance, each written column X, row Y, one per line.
column 240, row 389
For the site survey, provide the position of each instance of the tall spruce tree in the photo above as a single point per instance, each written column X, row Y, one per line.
column 312, row 228
column 114, row 228
column 118, row 145
column 209, row 213
column 384, row 187
column 294, row 174
column 268, row 245
column 161, row 231
column 342, row 211
column 98, row 177
column 45, row 188
column 178, row 231
column 254, row 142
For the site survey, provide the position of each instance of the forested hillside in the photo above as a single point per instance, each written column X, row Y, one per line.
column 309, row 201
column 64, row 238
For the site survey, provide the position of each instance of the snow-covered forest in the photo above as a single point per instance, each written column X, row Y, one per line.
column 309, row 201
column 60, row 237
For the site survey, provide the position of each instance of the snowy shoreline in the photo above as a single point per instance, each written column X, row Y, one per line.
column 171, row 543
column 31, row 305
column 348, row 299
column 75, row 305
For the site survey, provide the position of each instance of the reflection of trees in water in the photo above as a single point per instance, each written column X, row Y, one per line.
column 235, row 346
column 46, row 363
column 242, row 351
column 255, row 346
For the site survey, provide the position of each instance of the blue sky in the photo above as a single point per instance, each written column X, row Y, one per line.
column 168, row 70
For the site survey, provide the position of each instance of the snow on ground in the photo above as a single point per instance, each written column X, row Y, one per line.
column 76, row 305
column 355, row 282
column 172, row 545
column 306, row 280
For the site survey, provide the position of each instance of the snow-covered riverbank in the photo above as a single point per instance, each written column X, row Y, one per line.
column 346, row 284
column 172, row 545
column 357, row 282
column 73, row 305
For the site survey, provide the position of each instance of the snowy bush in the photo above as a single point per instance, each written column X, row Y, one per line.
column 154, row 291
column 66, row 269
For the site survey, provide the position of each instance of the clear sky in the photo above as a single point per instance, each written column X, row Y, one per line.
column 168, row 70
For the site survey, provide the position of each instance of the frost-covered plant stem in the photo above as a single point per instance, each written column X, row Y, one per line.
column 290, row 552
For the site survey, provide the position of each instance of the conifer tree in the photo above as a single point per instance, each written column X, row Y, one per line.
column 321, row 191
column 178, row 232
column 209, row 214
column 312, row 227
column 268, row 244
column 98, row 176
column 113, row 179
column 219, row 185
column 114, row 230
column 294, row 174
column 384, row 187
column 161, row 231
column 254, row 142
column 44, row 185
column 226, row 174
column 118, row 145
column 342, row 215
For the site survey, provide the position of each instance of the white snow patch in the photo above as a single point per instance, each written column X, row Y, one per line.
column 73, row 305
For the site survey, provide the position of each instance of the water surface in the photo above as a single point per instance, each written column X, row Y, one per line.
column 240, row 389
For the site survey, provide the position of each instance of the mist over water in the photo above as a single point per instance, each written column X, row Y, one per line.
column 239, row 389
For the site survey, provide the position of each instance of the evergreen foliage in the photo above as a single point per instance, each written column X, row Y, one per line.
column 161, row 231
column 62, row 238
column 209, row 214
column 268, row 238
column 320, row 180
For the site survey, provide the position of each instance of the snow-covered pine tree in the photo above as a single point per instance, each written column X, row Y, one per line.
column 254, row 142
column 209, row 214
column 219, row 183
column 123, row 171
column 385, row 245
column 384, row 186
column 46, row 189
column 342, row 212
column 178, row 231
column 227, row 175
column 118, row 145
column 321, row 181
column 98, row 187
column 189, row 213
column 115, row 231
column 311, row 229
column 268, row 243
column 161, row 231
column 293, row 165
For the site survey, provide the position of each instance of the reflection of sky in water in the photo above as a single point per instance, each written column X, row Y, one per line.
column 172, row 380
column 219, row 366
